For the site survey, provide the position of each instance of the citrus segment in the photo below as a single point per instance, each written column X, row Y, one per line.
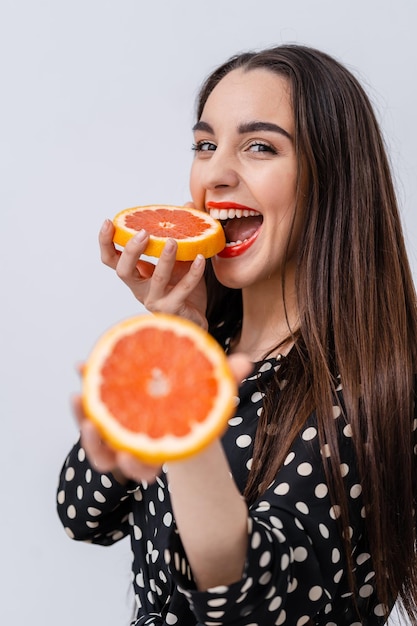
column 195, row 231
column 158, row 386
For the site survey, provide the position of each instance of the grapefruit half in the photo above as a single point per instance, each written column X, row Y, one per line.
column 159, row 387
column 195, row 231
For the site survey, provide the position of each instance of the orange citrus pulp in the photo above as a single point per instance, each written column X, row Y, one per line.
column 195, row 231
column 159, row 387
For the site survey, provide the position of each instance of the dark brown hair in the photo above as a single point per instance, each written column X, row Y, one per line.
column 357, row 311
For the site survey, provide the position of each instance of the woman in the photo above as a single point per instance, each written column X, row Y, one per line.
column 315, row 288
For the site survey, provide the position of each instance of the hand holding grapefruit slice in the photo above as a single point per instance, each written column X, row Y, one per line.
column 195, row 231
column 159, row 387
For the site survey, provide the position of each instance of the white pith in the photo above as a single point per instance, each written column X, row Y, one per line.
column 229, row 214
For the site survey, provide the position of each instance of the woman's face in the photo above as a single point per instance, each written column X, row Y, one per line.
column 245, row 174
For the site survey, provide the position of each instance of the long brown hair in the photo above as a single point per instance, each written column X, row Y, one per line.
column 357, row 308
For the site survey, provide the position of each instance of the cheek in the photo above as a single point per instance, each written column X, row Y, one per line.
column 196, row 187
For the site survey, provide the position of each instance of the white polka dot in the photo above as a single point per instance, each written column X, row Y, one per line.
column 69, row 474
column 137, row 532
column 117, row 535
column 170, row 618
column 257, row 396
column 304, row 469
column 325, row 450
column 315, row 593
column 336, row 411
column 347, row 431
column 88, row 476
column 93, row 511
column 365, row 591
column 265, row 559
column 69, row 532
column 80, row 492
column 152, row 509
column 249, row 464
column 167, row 519
column 247, row 584
column 344, row 469
column 275, row 521
column 335, row 511
column 380, row 610
column 335, row 555
column 282, row 489
column 338, row 576
column 81, row 455
column 275, row 604
column 61, row 497
column 243, row 441
column 309, row 433
column 321, row 490
column 235, row 421
column 292, row 585
column 302, row 507
column 265, row 578
column 355, row 491
column 285, row 561
column 361, row 558
column 71, row 511
column 263, row 506
column 265, row 367
column 300, row 554
column 289, row 458
column 217, row 602
column 98, row 496
column 324, row 531
column 303, row 620
column 105, row 481
column 92, row 524
column 256, row 540
column 282, row 618
column 279, row 535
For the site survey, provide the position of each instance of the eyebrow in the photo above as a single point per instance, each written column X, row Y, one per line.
column 247, row 127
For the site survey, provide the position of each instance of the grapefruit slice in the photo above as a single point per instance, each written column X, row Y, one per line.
column 195, row 231
column 159, row 387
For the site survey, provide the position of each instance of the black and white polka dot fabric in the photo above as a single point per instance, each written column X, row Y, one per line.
column 295, row 566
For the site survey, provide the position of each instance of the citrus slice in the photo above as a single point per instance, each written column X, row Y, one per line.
column 159, row 387
column 195, row 231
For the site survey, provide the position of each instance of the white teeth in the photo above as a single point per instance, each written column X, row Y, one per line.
column 235, row 243
column 229, row 214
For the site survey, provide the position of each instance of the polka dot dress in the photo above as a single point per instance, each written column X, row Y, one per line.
column 295, row 570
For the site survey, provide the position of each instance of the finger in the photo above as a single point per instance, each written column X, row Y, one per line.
column 109, row 255
column 127, row 266
column 100, row 455
column 145, row 268
column 176, row 301
column 136, row 470
column 162, row 273
column 190, row 205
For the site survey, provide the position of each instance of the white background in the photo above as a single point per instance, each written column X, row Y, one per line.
column 96, row 105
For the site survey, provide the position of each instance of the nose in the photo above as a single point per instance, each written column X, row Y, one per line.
column 219, row 171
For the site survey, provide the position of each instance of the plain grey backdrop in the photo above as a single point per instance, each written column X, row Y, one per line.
column 96, row 105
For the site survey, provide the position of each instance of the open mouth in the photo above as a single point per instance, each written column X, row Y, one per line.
column 241, row 227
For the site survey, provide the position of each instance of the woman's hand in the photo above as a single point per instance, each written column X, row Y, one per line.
column 105, row 459
column 123, row 465
column 170, row 286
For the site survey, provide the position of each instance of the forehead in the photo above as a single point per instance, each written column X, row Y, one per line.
column 255, row 94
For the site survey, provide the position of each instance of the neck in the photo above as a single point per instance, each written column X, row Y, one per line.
column 268, row 322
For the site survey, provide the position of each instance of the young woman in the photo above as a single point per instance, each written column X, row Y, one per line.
column 304, row 512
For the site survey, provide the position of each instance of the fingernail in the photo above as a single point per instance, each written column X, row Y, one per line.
column 140, row 236
column 170, row 246
column 199, row 259
column 106, row 225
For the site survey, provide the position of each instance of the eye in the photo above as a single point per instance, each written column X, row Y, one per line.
column 260, row 146
column 203, row 146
